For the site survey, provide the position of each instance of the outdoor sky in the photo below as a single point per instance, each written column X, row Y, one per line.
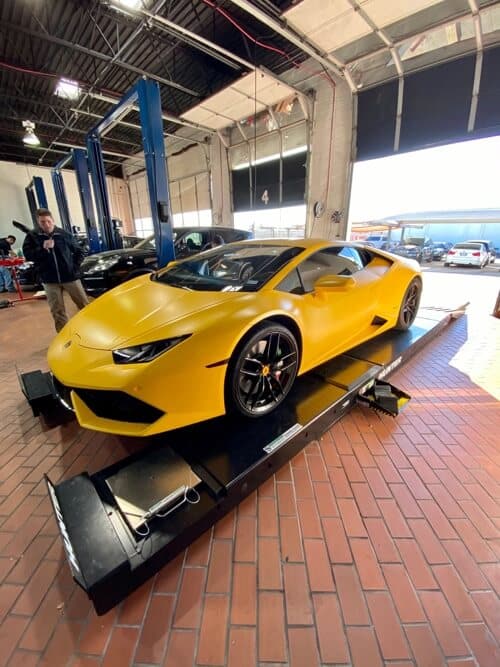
column 459, row 176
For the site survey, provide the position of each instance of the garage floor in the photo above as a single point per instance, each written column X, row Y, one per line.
column 380, row 544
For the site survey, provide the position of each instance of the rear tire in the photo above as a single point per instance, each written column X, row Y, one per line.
column 409, row 305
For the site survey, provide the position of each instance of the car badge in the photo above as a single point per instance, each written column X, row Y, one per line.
column 67, row 344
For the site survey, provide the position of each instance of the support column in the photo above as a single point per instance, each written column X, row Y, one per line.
column 222, row 213
column 330, row 161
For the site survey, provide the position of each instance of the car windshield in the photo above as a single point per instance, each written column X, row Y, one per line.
column 238, row 267
column 147, row 243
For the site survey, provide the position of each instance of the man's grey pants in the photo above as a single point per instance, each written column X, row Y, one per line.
column 55, row 297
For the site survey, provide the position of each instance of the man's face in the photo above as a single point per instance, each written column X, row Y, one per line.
column 11, row 240
column 46, row 224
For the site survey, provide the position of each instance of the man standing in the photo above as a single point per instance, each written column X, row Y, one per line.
column 6, row 282
column 57, row 257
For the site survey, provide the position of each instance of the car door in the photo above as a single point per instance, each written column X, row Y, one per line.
column 338, row 319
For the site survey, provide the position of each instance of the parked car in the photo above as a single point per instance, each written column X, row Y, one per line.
column 415, row 248
column 105, row 270
column 376, row 240
column 27, row 273
column 439, row 249
column 206, row 335
column 467, row 254
column 490, row 249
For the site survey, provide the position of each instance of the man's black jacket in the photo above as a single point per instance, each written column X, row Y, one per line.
column 4, row 248
column 60, row 264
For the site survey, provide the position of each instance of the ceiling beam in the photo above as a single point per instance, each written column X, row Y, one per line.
column 168, row 117
column 302, row 42
column 139, row 129
column 38, row 34
column 57, row 126
column 207, row 46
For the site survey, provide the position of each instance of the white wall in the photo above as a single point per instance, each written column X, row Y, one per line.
column 15, row 177
column 189, row 184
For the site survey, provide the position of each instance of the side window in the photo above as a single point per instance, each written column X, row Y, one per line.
column 291, row 283
column 193, row 241
column 354, row 256
column 339, row 261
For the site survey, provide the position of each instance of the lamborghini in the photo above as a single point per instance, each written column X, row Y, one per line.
column 226, row 330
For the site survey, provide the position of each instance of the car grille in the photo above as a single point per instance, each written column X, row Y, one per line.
column 109, row 404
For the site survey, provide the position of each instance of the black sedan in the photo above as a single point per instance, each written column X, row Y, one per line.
column 415, row 248
column 440, row 249
column 28, row 276
column 105, row 270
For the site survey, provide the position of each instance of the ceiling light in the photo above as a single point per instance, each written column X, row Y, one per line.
column 30, row 137
column 68, row 89
column 128, row 4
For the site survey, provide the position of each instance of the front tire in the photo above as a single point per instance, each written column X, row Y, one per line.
column 409, row 305
column 262, row 370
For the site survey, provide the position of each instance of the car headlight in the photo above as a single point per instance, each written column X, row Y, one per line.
column 101, row 265
column 139, row 354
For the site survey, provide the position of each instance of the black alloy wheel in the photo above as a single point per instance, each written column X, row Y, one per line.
column 409, row 305
column 263, row 371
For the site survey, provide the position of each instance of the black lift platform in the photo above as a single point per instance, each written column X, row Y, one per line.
column 122, row 524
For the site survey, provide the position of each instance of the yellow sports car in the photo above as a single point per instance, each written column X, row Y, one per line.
column 228, row 329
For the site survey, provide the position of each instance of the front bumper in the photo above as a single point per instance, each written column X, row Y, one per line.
column 108, row 404
column 135, row 399
column 96, row 283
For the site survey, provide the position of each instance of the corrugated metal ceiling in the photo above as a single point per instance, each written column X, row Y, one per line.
column 107, row 50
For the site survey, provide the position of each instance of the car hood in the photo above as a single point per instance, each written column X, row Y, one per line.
column 134, row 310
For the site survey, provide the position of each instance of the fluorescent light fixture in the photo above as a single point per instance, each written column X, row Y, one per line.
column 127, row 4
column 271, row 158
column 68, row 89
column 30, row 137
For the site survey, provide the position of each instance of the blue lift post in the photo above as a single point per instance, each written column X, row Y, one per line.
column 60, row 192
column 146, row 94
column 35, row 193
column 79, row 158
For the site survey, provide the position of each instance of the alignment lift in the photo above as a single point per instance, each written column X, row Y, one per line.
column 122, row 524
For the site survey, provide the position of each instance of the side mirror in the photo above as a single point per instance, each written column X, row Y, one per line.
column 334, row 283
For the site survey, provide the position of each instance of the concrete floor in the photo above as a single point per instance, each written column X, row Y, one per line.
column 379, row 544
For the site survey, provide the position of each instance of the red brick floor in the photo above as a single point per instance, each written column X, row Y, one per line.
column 379, row 544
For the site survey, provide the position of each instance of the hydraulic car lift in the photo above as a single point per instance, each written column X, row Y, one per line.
column 35, row 193
column 120, row 525
column 79, row 158
column 146, row 95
